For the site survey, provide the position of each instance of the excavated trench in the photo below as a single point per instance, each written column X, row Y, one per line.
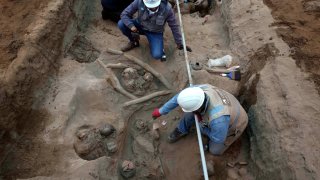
column 73, row 98
column 64, row 118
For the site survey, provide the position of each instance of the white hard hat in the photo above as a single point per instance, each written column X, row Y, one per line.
column 152, row 3
column 191, row 99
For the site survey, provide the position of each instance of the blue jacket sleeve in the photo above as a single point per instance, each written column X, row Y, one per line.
column 174, row 26
column 169, row 106
column 127, row 14
column 218, row 129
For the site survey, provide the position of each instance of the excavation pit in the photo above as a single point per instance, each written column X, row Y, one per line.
column 55, row 92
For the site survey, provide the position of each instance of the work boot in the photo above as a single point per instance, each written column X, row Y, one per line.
column 163, row 58
column 130, row 45
column 175, row 135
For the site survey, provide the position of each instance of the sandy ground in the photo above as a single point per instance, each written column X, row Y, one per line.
column 41, row 144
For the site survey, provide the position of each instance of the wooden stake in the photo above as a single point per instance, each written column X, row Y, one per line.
column 113, row 51
column 147, row 97
column 113, row 80
column 117, row 66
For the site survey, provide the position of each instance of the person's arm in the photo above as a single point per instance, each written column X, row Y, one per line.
column 175, row 27
column 217, row 134
column 169, row 106
column 166, row 108
column 127, row 14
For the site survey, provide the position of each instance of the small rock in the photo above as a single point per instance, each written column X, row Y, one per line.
column 106, row 130
column 233, row 174
column 112, row 147
column 243, row 172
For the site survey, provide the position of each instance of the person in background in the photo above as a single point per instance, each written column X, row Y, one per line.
column 113, row 8
column 221, row 117
column 204, row 7
column 151, row 20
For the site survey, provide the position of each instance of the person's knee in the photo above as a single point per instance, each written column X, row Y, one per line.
column 216, row 149
column 157, row 54
column 121, row 25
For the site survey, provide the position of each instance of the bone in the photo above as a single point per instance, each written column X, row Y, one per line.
column 117, row 66
column 113, row 80
column 113, row 51
column 147, row 97
column 150, row 69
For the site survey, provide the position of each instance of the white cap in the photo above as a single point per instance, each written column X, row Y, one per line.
column 191, row 99
column 152, row 3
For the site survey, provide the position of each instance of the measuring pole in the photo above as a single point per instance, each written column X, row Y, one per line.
column 203, row 158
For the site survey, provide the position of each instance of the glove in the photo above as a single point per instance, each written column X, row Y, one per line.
column 156, row 113
column 180, row 47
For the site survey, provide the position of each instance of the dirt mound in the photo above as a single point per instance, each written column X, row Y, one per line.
column 282, row 103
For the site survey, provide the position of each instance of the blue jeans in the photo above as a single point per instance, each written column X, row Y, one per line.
column 155, row 39
column 217, row 131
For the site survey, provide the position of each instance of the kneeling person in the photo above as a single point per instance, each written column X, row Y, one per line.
column 152, row 16
column 221, row 116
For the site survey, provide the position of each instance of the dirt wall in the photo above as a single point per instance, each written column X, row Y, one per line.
column 29, row 76
column 46, row 38
column 282, row 103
